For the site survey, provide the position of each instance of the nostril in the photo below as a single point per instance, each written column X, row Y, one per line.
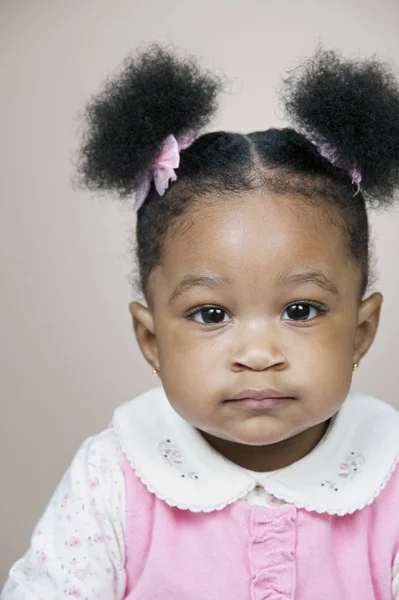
column 257, row 346
column 257, row 363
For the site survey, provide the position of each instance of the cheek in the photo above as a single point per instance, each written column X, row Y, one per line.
column 322, row 363
column 330, row 339
column 186, row 343
column 192, row 359
column 193, row 365
column 328, row 350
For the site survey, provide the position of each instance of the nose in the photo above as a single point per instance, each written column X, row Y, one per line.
column 258, row 347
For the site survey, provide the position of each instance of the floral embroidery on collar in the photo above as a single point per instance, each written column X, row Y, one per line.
column 348, row 471
column 338, row 477
column 174, row 457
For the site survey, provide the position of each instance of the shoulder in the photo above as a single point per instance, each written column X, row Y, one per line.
column 100, row 452
column 102, row 448
column 96, row 470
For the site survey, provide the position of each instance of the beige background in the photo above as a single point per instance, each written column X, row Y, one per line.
column 68, row 356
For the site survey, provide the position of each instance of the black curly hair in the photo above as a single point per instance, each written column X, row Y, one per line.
column 350, row 106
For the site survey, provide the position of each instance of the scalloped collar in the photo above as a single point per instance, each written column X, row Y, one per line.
column 345, row 472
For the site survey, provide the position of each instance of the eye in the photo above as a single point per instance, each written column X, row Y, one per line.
column 303, row 311
column 210, row 315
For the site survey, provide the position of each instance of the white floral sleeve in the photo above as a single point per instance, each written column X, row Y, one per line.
column 77, row 548
column 395, row 578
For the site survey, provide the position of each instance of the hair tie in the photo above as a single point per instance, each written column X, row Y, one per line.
column 163, row 169
column 332, row 155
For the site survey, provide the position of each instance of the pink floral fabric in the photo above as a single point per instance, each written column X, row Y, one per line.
column 77, row 549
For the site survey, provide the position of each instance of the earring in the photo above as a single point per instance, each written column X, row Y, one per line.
column 155, row 372
column 355, row 366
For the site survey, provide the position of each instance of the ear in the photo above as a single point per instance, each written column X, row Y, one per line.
column 143, row 325
column 367, row 324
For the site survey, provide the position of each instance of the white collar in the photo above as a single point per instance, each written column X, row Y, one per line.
column 345, row 472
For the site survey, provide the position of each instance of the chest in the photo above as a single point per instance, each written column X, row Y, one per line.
column 256, row 553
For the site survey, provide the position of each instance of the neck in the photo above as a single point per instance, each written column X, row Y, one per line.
column 270, row 457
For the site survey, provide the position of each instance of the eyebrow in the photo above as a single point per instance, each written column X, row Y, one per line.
column 190, row 281
column 306, row 275
column 309, row 275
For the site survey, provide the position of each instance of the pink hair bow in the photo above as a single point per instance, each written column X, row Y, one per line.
column 163, row 168
column 331, row 154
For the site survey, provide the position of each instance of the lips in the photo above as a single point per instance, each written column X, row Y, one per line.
column 260, row 400
column 265, row 394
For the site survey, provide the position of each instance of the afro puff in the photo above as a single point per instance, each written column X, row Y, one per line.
column 353, row 106
column 156, row 94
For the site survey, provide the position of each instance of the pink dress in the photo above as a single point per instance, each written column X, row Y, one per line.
column 148, row 510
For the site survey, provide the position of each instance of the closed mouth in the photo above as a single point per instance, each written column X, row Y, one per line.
column 265, row 394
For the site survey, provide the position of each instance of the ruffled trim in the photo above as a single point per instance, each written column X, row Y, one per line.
column 168, row 500
column 272, row 555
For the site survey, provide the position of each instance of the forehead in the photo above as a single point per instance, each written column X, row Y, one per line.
column 256, row 235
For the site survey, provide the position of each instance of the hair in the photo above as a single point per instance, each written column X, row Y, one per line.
column 350, row 106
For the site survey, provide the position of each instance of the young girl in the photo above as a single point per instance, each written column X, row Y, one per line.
column 254, row 472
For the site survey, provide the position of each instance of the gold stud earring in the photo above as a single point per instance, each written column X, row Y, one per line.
column 155, row 372
column 355, row 366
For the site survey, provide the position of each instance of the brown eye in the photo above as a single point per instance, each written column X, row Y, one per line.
column 302, row 311
column 211, row 315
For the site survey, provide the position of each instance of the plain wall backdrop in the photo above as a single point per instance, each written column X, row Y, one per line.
column 68, row 355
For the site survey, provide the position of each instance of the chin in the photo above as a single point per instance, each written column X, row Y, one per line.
column 261, row 439
column 265, row 441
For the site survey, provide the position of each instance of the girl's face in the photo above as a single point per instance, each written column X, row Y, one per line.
column 256, row 297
